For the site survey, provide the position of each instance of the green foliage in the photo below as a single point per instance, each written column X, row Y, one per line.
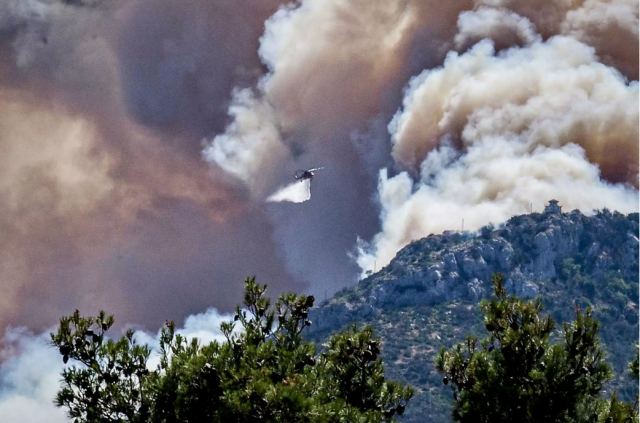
column 517, row 374
column 108, row 386
column 353, row 367
column 616, row 411
column 264, row 371
column 633, row 366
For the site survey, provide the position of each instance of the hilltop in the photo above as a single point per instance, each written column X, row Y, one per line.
column 427, row 296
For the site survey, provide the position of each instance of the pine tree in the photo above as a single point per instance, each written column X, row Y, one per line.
column 263, row 371
column 518, row 374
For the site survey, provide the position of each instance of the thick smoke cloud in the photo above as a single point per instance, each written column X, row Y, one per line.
column 100, row 207
column 29, row 376
column 548, row 80
column 321, row 104
column 80, row 231
column 179, row 60
column 562, row 95
column 611, row 26
column 533, row 123
column 30, row 368
column 423, row 113
column 505, row 27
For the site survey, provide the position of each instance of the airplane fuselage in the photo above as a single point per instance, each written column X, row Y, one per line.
column 305, row 175
column 301, row 175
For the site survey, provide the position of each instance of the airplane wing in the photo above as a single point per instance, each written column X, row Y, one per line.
column 315, row 169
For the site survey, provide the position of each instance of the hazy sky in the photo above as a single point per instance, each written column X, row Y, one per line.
column 140, row 139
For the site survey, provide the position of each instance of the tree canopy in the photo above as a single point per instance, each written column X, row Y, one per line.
column 263, row 371
column 518, row 374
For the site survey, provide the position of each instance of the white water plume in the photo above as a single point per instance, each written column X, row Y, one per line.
column 295, row 192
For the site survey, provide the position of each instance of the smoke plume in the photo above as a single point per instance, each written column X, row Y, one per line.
column 562, row 126
column 29, row 377
column 102, row 206
column 533, row 90
column 30, row 368
column 427, row 113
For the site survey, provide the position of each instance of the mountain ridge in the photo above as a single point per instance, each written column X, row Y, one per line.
column 427, row 296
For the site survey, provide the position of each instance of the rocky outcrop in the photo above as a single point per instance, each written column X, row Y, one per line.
column 427, row 297
column 527, row 249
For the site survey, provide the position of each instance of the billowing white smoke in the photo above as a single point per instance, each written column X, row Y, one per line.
column 534, row 105
column 29, row 378
column 203, row 326
column 308, row 87
column 295, row 192
column 323, row 104
column 251, row 144
column 496, row 24
column 548, row 93
column 30, row 367
column 530, row 124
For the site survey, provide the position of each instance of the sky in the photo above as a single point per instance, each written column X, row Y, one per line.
column 141, row 139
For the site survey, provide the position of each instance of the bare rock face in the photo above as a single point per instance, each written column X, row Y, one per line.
column 527, row 249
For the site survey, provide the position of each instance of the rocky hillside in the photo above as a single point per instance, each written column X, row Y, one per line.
column 428, row 296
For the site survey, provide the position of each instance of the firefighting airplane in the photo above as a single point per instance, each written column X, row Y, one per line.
column 301, row 175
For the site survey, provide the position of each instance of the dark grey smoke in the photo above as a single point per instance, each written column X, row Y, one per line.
column 179, row 60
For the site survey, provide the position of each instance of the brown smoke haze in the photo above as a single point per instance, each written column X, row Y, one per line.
column 139, row 140
column 104, row 199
